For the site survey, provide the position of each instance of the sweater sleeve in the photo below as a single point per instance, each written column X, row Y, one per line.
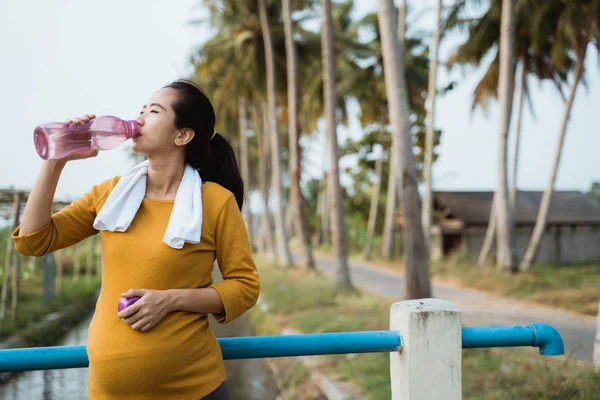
column 67, row 227
column 240, row 286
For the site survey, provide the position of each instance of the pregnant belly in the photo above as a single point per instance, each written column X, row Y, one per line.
column 174, row 360
column 153, row 376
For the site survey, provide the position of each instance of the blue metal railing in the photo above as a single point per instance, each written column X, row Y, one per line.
column 537, row 335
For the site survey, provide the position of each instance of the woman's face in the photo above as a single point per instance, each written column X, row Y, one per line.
column 157, row 125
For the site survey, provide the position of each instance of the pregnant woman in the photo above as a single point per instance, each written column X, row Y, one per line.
column 162, row 225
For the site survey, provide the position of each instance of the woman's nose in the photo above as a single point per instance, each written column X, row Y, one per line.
column 140, row 119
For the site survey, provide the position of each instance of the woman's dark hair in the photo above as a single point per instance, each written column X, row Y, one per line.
column 213, row 158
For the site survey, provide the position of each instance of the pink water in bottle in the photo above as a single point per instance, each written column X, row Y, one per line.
column 60, row 139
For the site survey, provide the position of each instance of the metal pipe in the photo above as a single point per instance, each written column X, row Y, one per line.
column 41, row 358
column 58, row 357
column 537, row 335
column 309, row 344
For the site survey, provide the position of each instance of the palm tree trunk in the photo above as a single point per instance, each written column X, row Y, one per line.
column 318, row 235
column 489, row 236
column 296, row 203
column 10, row 251
column 325, row 215
column 416, row 260
column 59, row 263
column 263, row 177
column 31, row 265
column 99, row 256
column 542, row 217
column 597, row 341
column 244, row 167
column 336, row 205
column 402, row 21
column 77, row 261
column 513, row 187
column 16, row 285
column 287, row 220
column 431, row 96
column 389, row 222
column 89, row 267
column 6, row 279
column 504, row 250
column 490, row 233
column 373, row 209
column 283, row 251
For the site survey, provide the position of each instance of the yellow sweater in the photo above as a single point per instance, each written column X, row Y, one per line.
column 180, row 357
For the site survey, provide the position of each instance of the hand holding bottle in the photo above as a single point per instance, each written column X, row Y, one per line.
column 80, row 155
column 79, row 138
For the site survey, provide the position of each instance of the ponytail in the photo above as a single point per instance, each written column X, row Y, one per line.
column 208, row 152
column 221, row 167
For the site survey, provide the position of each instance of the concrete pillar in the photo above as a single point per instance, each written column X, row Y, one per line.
column 428, row 365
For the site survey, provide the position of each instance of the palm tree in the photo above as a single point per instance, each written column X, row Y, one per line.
column 347, row 50
column 534, row 59
column 373, row 208
column 263, row 177
column 12, row 256
column 416, row 260
column 505, row 251
column 59, row 261
column 597, row 341
column 578, row 26
column 389, row 222
column 283, row 251
column 243, row 158
column 369, row 90
column 16, row 286
column 240, row 46
column 429, row 138
column 336, row 206
column 296, row 199
column 229, row 66
column 76, row 256
column 387, row 240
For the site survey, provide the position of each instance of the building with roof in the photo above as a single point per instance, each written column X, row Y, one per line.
column 572, row 233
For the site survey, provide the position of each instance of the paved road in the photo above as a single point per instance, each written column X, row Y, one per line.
column 481, row 309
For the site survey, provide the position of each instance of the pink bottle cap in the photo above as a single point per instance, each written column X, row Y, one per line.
column 126, row 302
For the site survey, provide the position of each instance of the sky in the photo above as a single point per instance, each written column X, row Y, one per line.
column 64, row 58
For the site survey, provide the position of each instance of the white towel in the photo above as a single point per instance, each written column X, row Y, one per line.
column 185, row 223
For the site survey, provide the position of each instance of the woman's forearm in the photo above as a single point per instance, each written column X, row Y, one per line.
column 202, row 301
column 38, row 209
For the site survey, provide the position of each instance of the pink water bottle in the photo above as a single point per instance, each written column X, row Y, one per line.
column 60, row 139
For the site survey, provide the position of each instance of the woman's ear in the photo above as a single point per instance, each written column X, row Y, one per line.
column 184, row 136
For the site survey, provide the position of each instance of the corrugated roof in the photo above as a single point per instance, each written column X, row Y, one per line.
column 7, row 200
column 567, row 207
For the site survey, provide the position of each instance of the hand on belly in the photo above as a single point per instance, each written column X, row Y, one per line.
column 148, row 311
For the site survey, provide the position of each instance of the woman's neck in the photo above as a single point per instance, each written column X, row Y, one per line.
column 164, row 177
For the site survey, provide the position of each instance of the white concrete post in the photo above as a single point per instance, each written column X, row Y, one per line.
column 428, row 364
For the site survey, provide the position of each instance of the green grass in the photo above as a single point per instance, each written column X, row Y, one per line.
column 32, row 308
column 309, row 303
